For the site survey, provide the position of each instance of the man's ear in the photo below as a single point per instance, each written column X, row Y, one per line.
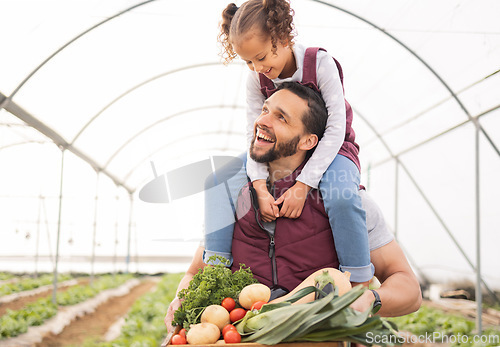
column 308, row 142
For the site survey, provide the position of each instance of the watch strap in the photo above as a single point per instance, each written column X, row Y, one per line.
column 377, row 303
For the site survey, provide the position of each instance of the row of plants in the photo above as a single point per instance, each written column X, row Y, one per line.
column 29, row 283
column 16, row 322
column 454, row 329
column 144, row 324
column 5, row 276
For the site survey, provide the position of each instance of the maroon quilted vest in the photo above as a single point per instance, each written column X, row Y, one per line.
column 299, row 246
column 350, row 148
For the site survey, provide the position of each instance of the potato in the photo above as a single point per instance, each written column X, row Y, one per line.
column 253, row 293
column 217, row 315
column 203, row 334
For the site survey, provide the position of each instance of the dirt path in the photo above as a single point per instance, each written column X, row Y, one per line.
column 23, row 301
column 95, row 325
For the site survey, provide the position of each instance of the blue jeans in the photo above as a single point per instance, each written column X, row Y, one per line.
column 221, row 192
column 339, row 188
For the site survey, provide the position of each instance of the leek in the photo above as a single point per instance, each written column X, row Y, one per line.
column 327, row 319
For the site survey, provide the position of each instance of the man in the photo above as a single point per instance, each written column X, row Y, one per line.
column 283, row 139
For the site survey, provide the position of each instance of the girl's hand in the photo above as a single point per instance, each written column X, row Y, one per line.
column 268, row 210
column 293, row 200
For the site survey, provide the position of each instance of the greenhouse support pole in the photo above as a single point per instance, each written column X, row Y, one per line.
column 56, row 262
column 94, row 232
column 39, row 220
column 47, row 230
column 115, row 251
column 479, row 297
column 127, row 261
column 396, row 198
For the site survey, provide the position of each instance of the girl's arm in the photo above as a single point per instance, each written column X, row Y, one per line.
column 258, row 172
column 255, row 100
column 328, row 80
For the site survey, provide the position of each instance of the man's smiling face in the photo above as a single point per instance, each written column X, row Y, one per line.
column 279, row 128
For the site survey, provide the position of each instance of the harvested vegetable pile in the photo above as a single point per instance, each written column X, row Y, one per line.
column 327, row 319
column 209, row 287
column 209, row 299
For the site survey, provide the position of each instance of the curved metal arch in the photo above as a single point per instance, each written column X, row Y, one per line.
column 434, row 137
column 167, row 118
column 140, row 162
column 427, row 200
column 419, row 58
column 137, row 86
column 66, row 45
column 437, row 104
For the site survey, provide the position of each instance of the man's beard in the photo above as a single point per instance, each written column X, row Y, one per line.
column 279, row 150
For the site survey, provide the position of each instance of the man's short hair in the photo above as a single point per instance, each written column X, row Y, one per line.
column 315, row 119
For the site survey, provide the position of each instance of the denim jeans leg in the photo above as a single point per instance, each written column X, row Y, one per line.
column 339, row 189
column 221, row 193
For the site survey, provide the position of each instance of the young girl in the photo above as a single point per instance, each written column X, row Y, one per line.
column 261, row 33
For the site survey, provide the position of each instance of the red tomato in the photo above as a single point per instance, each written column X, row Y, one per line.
column 232, row 336
column 229, row 304
column 227, row 328
column 182, row 332
column 178, row 340
column 237, row 314
column 257, row 305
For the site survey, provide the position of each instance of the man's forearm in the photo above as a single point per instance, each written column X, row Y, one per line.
column 400, row 294
column 194, row 267
column 184, row 283
column 400, row 291
column 196, row 264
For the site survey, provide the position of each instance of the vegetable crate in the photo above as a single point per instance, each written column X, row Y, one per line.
column 166, row 342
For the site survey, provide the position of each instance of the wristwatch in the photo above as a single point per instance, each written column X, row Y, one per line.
column 377, row 303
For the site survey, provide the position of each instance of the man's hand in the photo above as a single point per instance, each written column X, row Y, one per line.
column 268, row 210
column 293, row 200
column 174, row 305
column 364, row 302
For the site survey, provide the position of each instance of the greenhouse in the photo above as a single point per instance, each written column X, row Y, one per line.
column 111, row 113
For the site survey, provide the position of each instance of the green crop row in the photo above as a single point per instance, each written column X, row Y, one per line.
column 5, row 276
column 458, row 330
column 13, row 323
column 17, row 322
column 80, row 293
column 144, row 324
column 29, row 283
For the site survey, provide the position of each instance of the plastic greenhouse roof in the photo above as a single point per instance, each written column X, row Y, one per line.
column 126, row 83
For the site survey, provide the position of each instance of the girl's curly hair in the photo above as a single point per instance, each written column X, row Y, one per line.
column 274, row 18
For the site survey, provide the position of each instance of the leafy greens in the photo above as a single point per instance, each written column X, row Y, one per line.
column 209, row 287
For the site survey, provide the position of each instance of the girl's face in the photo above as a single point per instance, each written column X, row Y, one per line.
column 257, row 52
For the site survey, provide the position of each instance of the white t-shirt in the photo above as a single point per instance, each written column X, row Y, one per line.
column 378, row 232
column 328, row 80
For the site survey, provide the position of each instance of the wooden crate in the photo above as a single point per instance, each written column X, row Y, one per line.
column 166, row 342
column 291, row 344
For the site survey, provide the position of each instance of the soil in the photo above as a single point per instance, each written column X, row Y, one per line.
column 96, row 324
column 23, row 301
